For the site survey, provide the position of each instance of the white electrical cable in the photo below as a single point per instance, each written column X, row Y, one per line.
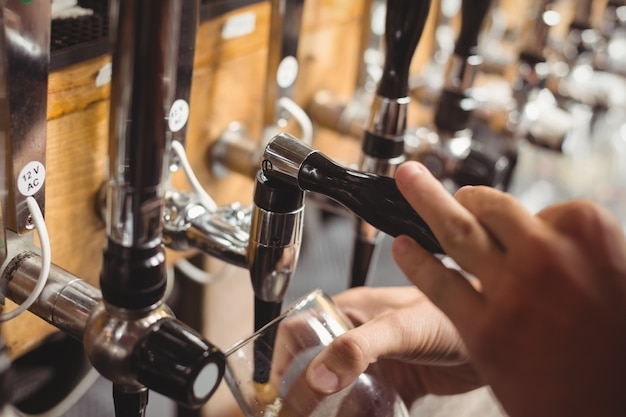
column 46, row 262
column 303, row 119
column 205, row 198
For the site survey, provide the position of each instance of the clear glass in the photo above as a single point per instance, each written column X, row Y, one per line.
column 270, row 382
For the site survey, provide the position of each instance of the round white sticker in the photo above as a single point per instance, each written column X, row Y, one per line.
column 287, row 72
column 31, row 178
column 179, row 114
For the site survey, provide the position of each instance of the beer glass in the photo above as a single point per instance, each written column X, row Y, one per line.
column 265, row 372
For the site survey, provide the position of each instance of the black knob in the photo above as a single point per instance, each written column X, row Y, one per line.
column 454, row 111
column 405, row 21
column 176, row 361
column 480, row 167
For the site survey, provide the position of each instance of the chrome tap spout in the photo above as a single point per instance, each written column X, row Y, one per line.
column 223, row 233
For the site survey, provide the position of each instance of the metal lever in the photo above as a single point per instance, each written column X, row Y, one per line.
column 383, row 141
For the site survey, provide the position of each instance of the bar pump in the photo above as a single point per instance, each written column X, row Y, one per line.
column 382, row 147
column 234, row 150
column 450, row 149
column 131, row 338
column 374, row 198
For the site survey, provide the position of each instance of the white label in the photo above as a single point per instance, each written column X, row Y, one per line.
column 31, row 178
column 239, row 25
column 287, row 72
column 104, row 75
column 178, row 116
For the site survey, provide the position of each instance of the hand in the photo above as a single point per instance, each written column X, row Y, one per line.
column 407, row 332
column 547, row 330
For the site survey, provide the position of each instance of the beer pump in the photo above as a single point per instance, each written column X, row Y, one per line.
column 235, row 150
column 349, row 118
column 450, row 149
column 129, row 335
column 382, row 147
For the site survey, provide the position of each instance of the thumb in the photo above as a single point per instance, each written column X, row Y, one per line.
column 341, row 363
column 417, row 334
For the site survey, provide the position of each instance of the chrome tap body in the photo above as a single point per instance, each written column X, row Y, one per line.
column 131, row 337
column 275, row 240
column 235, row 150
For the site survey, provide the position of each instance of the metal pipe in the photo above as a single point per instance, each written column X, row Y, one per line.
column 66, row 301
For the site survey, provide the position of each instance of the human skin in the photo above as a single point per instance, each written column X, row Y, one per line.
column 545, row 322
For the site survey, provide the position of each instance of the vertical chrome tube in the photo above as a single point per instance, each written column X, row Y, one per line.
column 144, row 59
column 144, row 67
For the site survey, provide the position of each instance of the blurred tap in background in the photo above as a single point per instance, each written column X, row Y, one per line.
column 382, row 147
column 350, row 117
column 449, row 148
column 235, row 150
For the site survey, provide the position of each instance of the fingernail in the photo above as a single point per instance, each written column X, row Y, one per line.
column 323, row 379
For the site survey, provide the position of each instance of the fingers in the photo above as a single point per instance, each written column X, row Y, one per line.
column 361, row 304
column 419, row 333
column 446, row 288
column 502, row 216
column 459, row 232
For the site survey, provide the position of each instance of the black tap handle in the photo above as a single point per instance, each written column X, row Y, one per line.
column 374, row 198
column 473, row 13
column 405, row 21
column 176, row 361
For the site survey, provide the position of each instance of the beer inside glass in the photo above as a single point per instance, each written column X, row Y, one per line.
column 265, row 372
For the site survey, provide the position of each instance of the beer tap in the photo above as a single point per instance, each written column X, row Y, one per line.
column 612, row 29
column 374, row 198
column 235, row 150
column 349, row 118
column 449, row 149
column 275, row 240
column 382, row 147
column 584, row 75
column 537, row 115
column 131, row 337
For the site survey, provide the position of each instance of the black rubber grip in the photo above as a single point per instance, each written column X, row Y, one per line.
column 374, row 198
